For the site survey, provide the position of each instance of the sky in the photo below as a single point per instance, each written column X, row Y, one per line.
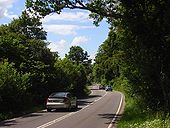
column 70, row 28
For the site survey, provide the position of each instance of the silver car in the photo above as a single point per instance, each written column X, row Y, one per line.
column 59, row 100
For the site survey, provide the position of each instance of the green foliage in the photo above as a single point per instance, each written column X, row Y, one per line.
column 135, row 117
column 74, row 77
column 78, row 56
column 106, row 62
column 147, row 51
column 100, row 8
column 13, row 87
column 140, row 50
column 30, row 66
column 30, row 26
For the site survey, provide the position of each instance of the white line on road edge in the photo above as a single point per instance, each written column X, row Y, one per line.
column 66, row 116
column 118, row 110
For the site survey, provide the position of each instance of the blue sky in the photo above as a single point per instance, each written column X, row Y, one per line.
column 70, row 28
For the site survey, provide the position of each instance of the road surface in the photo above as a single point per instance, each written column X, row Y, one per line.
column 100, row 110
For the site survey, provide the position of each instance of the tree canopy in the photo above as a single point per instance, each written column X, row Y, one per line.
column 106, row 8
column 78, row 55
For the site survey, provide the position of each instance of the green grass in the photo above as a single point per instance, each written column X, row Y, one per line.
column 136, row 116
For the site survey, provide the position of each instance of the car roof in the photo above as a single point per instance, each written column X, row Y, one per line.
column 59, row 94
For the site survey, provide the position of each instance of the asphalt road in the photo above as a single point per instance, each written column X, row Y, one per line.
column 100, row 110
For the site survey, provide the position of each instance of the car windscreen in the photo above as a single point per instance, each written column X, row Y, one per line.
column 59, row 94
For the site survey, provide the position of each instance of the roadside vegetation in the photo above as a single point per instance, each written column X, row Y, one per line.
column 136, row 116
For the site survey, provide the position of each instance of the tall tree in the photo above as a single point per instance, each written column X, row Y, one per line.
column 73, row 77
column 28, row 25
column 22, row 42
column 78, row 55
column 106, row 65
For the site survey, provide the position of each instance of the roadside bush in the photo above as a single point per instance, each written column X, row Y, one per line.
column 13, row 85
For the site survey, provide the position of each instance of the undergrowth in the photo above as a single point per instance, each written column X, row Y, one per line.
column 137, row 116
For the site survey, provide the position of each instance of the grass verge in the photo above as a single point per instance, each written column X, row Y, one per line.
column 136, row 116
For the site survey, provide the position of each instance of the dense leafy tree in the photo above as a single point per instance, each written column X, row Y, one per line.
column 73, row 77
column 106, row 8
column 28, row 25
column 22, row 43
column 106, row 65
column 78, row 55
column 13, row 87
column 147, row 50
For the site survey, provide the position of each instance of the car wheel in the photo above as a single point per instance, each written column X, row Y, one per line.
column 48, row 110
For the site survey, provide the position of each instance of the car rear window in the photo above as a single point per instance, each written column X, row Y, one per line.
column 59, row 94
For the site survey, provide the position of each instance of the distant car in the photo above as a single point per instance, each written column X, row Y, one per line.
column 108, row 88
column 59, row 100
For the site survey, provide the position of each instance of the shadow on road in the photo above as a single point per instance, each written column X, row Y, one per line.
column 14, row 122
column 83, row 102
column 89, row 97
column 8, row 123
column 32, row 115
column 110, row 117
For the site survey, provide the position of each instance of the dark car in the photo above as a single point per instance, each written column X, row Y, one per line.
column 108, row 88
column 59, row 100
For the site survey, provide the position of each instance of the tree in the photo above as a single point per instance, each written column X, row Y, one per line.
column 106, row 64
column 78, row 56
column 16, row 38
column 73, row 77
column 22, row 43
column 13, row 86
column 104, row 8
column 28, row 25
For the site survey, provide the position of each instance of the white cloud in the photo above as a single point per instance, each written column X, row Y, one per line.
column 68, row 16
column 4, row 6
column 61, row 29
column 92, row 56
column 64, row 29
column 79, row 40
column 58, row 46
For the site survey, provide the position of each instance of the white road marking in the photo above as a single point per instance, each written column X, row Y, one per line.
column 118, row 110
column 55, row 121
column 68, row 115
column 93, row 102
